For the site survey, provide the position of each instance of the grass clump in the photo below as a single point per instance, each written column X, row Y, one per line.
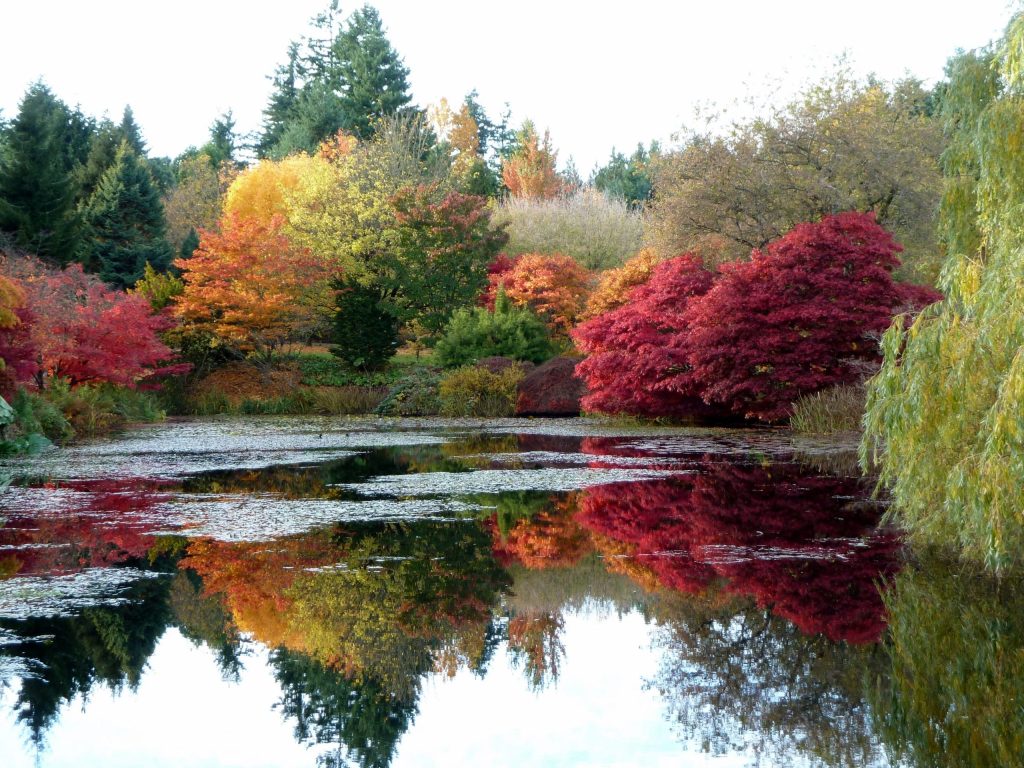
column 833, row 410
column 472, row 391
column 596, row 230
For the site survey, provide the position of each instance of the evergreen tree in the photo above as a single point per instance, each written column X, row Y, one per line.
column 37, row 191
column 223, row 141
column 365, row 334
column 129, row 131
column 373, row 78
column 283, row 100
column 125, row 219
column 629, row 178
column 102, row 150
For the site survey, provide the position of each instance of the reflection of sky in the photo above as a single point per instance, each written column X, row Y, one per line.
column 598, row 714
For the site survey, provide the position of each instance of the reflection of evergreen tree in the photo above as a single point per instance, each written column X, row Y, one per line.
column 362, row 718
column 204, row 620
column 106, row 645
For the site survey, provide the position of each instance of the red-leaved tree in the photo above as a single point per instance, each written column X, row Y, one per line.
column 638, row 354
column 802, row 315
column 84, row 331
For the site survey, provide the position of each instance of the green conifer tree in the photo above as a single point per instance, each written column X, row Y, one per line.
column 37, row 191
column 125, row 221
column 374, row 79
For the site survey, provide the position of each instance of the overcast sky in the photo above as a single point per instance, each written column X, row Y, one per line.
column 598, row 74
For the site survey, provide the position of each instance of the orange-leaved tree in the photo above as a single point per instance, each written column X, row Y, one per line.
column 531, row 171
column 249, row 287
column 554, row 286
column 614, row 285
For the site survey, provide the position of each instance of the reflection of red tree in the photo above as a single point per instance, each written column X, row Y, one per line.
column 103, row 523
column 794, row 543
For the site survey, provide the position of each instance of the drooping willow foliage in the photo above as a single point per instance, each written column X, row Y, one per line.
column 945, row 415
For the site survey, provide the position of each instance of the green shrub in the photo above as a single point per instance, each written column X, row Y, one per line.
column 34, row 414
column 506, row 332
column 329, row 371
column 365, row 335
column 837, row 409
column 413, row 395
column 95, row 409
column 472, row 391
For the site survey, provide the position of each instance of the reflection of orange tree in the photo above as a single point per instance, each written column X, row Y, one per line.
column 382, row 602
column 253, row 577
column 793, row 542
column 547, row 537
column 535, row 642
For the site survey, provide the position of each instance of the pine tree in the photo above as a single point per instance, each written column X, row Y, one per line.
column 374, row 80
column 37, row 190
column 126, row 224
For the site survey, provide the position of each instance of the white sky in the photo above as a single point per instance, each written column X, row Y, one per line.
column 598, row 74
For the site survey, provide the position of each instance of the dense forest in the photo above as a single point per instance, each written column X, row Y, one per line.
column 849, row 257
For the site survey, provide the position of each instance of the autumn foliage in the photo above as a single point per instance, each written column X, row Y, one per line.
column 614, row 285
column 80, row 329
column 248, row 286
column 638, row 354
column 804, row 314
column 554, row 286
column 795, row 543
column 531, row 171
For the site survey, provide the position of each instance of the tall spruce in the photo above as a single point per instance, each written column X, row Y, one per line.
column 37, row 189
column 343, row 77
column 374, row 79
column 125, row 221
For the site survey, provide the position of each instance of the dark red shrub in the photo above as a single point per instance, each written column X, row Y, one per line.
column 802, row 315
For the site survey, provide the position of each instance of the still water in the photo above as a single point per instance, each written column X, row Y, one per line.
column 326, row 592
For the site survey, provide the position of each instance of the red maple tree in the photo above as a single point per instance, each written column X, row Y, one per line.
column 802, row 315
column 82, row 330
column 638, row 354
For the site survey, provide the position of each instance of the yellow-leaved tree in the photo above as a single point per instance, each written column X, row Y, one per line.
column 945, row 415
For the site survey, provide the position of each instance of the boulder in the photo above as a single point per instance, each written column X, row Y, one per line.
column 551, row 389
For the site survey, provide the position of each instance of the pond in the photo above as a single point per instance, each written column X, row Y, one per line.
column 328, row 592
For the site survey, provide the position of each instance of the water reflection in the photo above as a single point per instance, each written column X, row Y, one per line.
column 758, row 576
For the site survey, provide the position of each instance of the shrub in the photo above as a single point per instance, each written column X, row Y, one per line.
column 802, row 315
column 35, row 414
column 614, row 285
column 473, row 391
column 364, row 333
column 506, row 332
column 329, row 371
column 598, row 231
column 838, row 409
column 413, row 395
column 638, row 354
column 101, row 408
column 554, row 286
